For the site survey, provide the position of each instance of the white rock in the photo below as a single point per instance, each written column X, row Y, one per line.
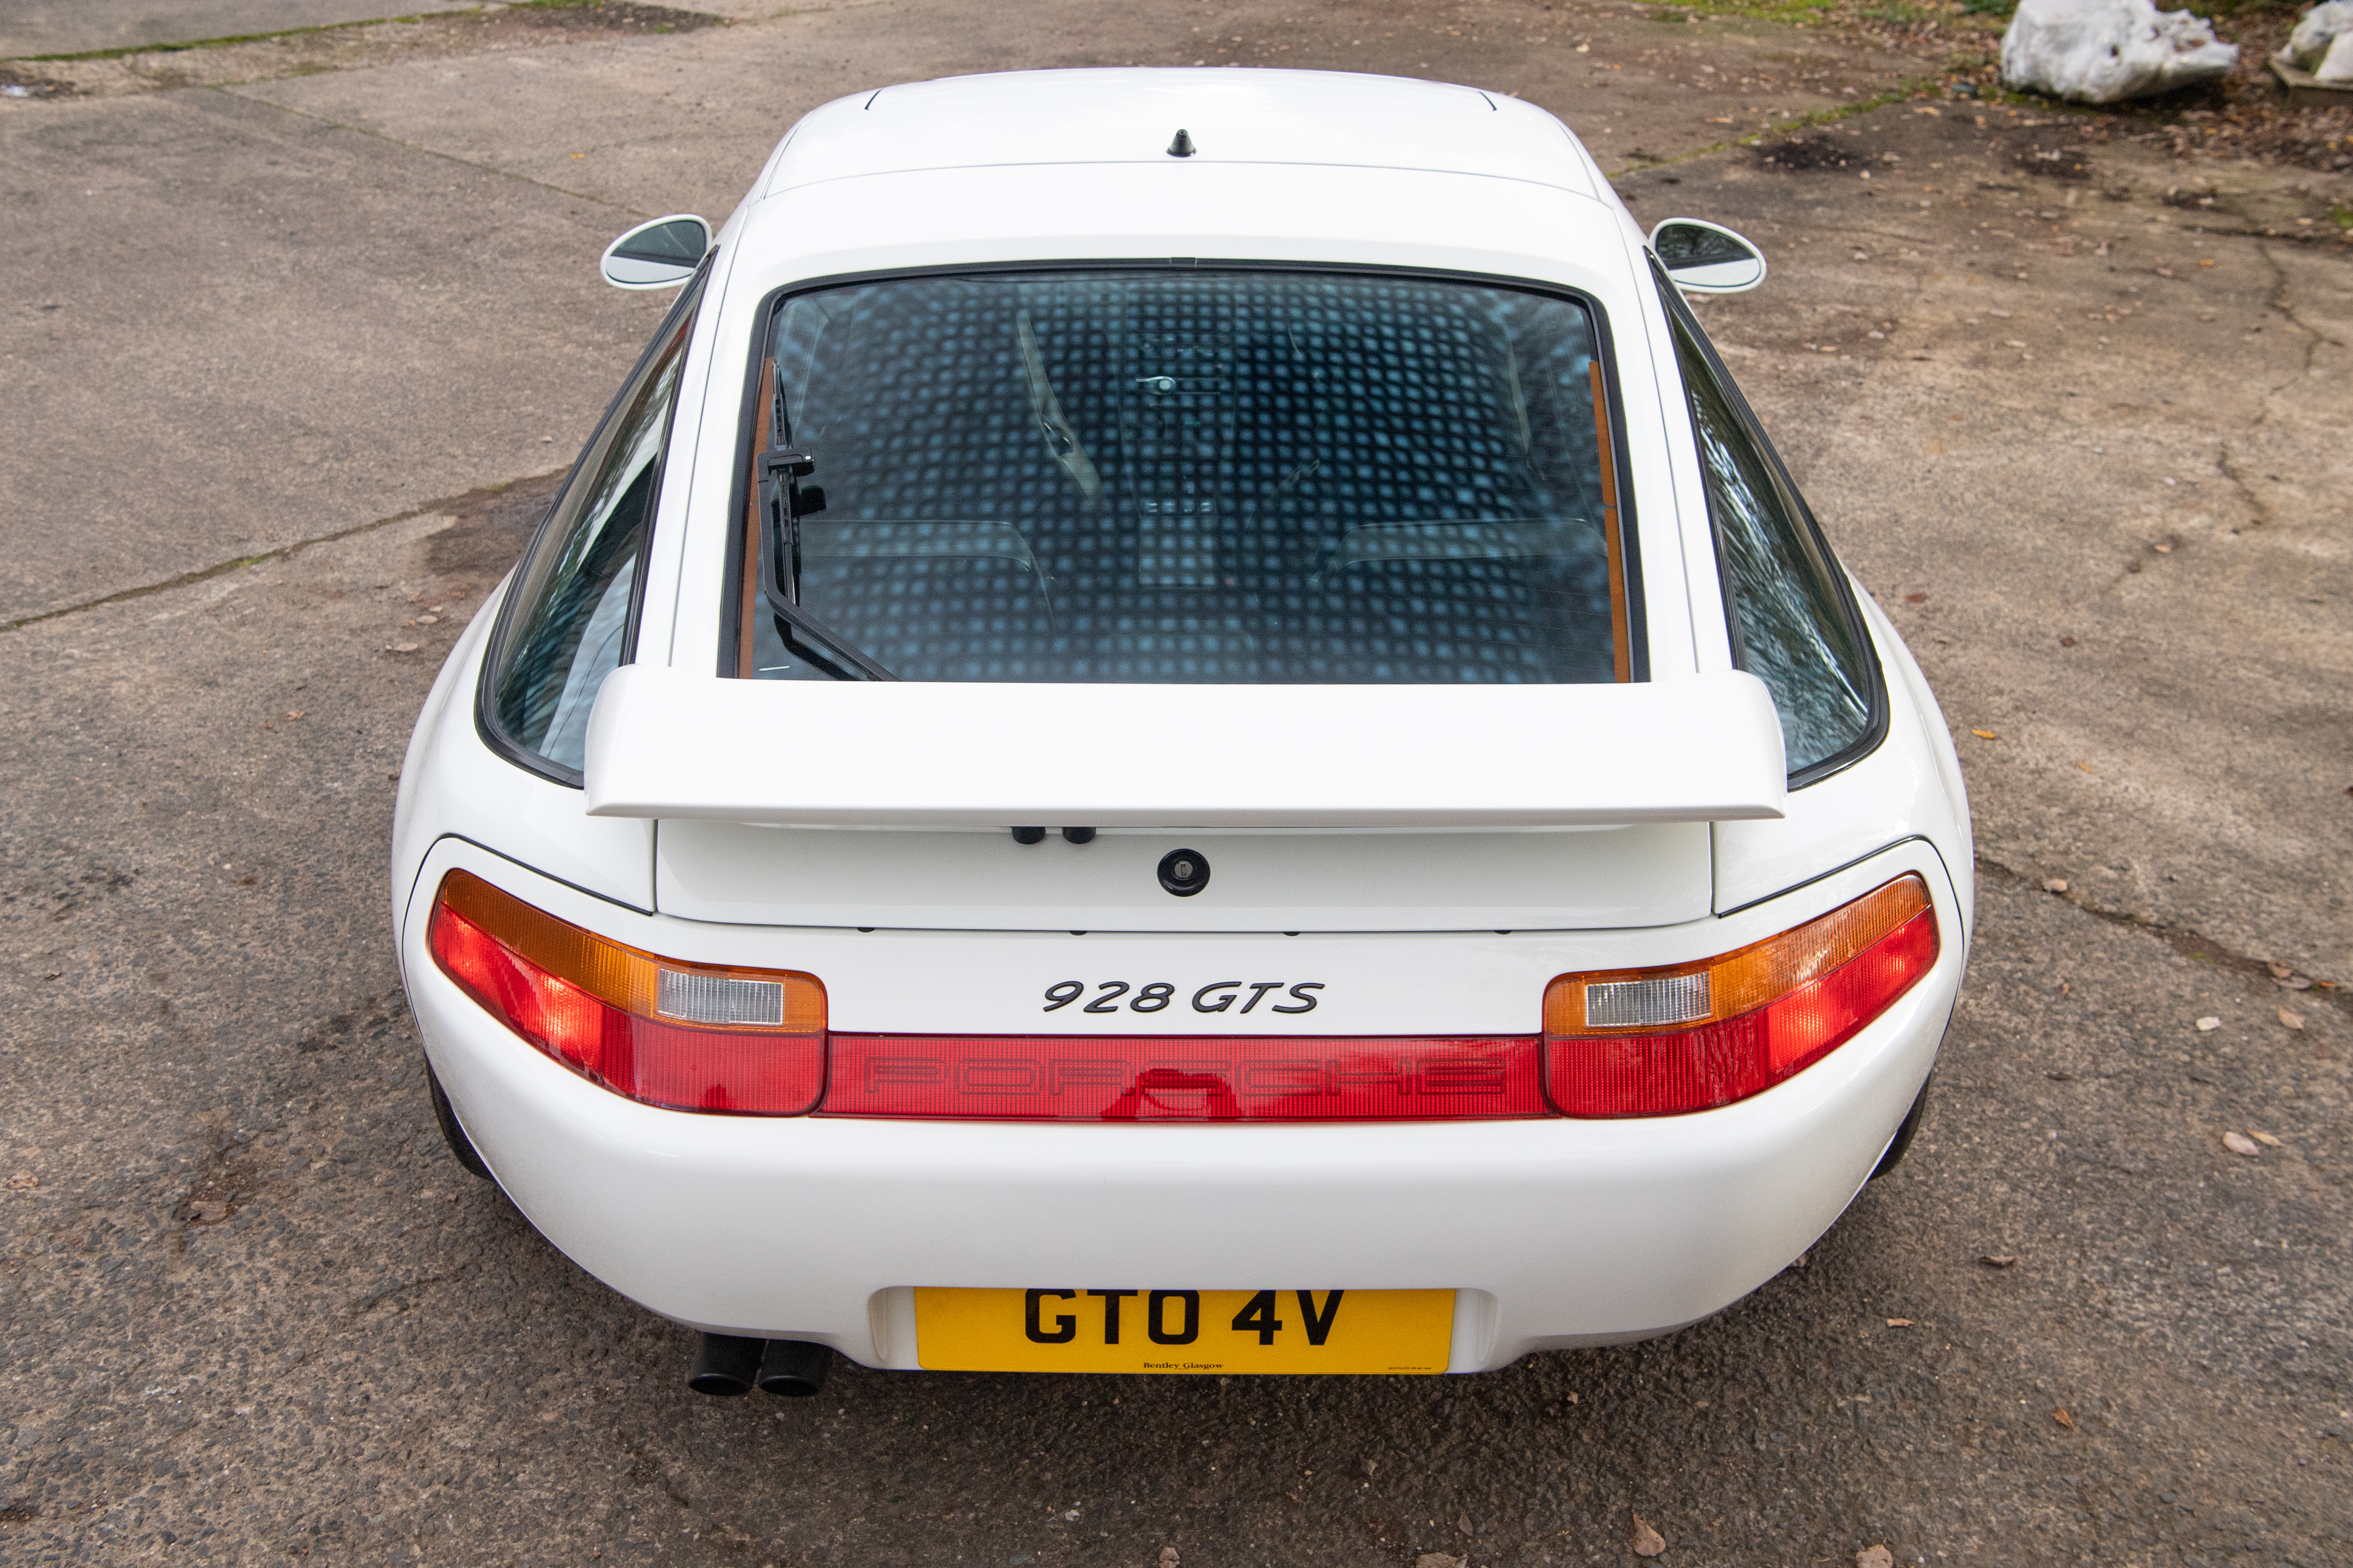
column 2098, row 51
column 2319, row 27
column 2336, row 64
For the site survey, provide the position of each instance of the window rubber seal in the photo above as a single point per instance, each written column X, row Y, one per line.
column 1638, row 638
column 486, row 721
column 1874, row 729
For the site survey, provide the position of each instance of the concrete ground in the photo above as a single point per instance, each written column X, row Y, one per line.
column 286, row 366
column 77, row 26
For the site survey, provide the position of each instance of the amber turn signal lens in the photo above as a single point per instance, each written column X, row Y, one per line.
column 1659, row 1042
column 691, row 1036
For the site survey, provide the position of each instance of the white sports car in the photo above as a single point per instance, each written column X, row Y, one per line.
column 1179, row 723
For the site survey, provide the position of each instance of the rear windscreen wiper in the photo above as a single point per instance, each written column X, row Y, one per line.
column 819, row 644
column 780, row 467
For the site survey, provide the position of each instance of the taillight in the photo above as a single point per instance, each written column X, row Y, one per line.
column 1658, row 1042
column 693, row 1037
column 1177, row 1077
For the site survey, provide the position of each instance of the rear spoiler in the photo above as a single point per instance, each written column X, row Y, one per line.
column 665, row 743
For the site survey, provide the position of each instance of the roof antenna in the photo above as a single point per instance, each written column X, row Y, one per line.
column 1183, row 146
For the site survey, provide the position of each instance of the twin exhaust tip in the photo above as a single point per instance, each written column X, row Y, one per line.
column 729, row 1365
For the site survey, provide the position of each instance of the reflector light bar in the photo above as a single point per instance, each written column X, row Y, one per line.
column 1181, row 1079
column 1764, row 1013
column 592, row 1004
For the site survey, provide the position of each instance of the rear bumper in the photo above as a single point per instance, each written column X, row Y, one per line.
column 1557, row 1233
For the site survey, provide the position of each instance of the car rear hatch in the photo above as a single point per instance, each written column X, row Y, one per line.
column 1305, row 808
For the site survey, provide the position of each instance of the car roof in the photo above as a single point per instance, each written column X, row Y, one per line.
column 1132, row 115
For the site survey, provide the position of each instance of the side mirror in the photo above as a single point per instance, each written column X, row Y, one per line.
column 1707, row 257
column 662, row 253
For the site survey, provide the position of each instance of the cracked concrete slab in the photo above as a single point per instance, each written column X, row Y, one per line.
column 491, row 29
column 2033, row 408
column 73, row 27
column 579, row 119
column 232, row 327
column 333, row 286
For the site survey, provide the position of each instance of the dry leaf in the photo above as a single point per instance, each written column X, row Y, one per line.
column 1899, row 1323
column 1874, row 1557
column 2064, row 1419
column 1426, row 1560
column 2280, row 971
column 1463, row 1524
column 297, row 714
column 22, row 1180
column 2293, row 1020
column 2085, row 766
column 207, row 1211
column 401, row 648
column 1998, row 1259
column 1985, row 734
column 2055, row 885
column 2206, row 1026
column 2240, row 1144
column 1167, row 1557
column 2268, row 1141
column 1647, row 1543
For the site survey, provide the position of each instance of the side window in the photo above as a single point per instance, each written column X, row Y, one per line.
column 571, row 617
column 1793, row 625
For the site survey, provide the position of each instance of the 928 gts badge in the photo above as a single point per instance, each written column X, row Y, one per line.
column 1216, row 996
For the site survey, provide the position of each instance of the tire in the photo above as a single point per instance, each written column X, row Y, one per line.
column 1903, row 1135
column 462, row 1147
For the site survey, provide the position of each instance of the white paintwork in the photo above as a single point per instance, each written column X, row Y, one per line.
column 1653, row 875
column 814, row 1228
column 794, row 1227
column 1909, row 785
column 670, row 744
column 1300, row 119
column 451, row 782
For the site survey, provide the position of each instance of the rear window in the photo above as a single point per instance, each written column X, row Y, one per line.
column 1184, row 475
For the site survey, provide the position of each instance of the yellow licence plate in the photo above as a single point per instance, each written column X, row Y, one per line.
column 1391, row 1332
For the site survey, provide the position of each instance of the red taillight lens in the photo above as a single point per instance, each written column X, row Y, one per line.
column 1176, row 1078
column 690, row 1037
column 1749, row 1019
